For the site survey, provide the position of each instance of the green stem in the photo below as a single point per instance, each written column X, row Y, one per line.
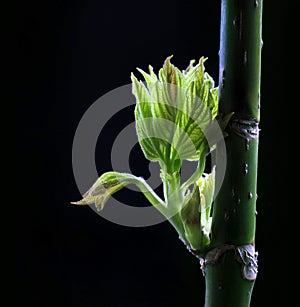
column 224, row 287
column 176, row 222
column 198, row 172
column 153, row 198
column 235, row 206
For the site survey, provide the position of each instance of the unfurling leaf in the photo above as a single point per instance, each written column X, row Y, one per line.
column 103, row 188
column 206, row 186
column 111, row 182
column 172, row 112
column 196, row 214
column 191, row 219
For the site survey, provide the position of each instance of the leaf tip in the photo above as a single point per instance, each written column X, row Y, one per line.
column 133, row 77
column 79, row 202
column 168, row 61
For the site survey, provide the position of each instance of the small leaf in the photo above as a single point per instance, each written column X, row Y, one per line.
column 191, row 219
column 111, row 182
column 103, row 188
column 206, row 186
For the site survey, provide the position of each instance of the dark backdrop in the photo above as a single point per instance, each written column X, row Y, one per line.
column 71, row 53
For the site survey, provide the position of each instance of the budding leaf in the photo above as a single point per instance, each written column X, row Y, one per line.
column 111, row 182
column 206, row 186
column 172, row 112
column 191, row 219
column 196, row 213
column 103, row 188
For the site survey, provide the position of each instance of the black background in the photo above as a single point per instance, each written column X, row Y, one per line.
column 71, row 53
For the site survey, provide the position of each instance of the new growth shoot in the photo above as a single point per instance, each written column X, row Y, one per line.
column 173, row 115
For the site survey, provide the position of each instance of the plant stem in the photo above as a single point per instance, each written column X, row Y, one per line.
column 197, row 173
column 235, row 206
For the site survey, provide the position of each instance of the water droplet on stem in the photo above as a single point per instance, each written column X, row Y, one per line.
column 246, row 168
column 245, row 59
column 247, row 144
column 235, row 22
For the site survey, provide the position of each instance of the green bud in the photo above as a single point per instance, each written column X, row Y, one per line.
column 206, row 186
column 103, row 188
column 111, row 182
column 173, row 109
column 191, row 219
column 196, row 214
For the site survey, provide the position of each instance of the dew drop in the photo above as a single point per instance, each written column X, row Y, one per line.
column 226, row 216
column 238, row 201
column 256, row 212
column 250, row 195
column 235, row 22
column 246, row 168
column 247, row 144
column 261, row 43
column 245, row 60
column 232, row 192
column 256, row 3
column 256, row 196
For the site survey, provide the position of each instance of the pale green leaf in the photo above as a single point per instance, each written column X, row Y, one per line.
column 111, row 182
column 206, row 186
column 182, row 105
column 191, row 219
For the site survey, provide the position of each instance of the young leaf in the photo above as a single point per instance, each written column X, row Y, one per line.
column 179, row 106
column 111, row 182
column 206, row 186
column 191, row 219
